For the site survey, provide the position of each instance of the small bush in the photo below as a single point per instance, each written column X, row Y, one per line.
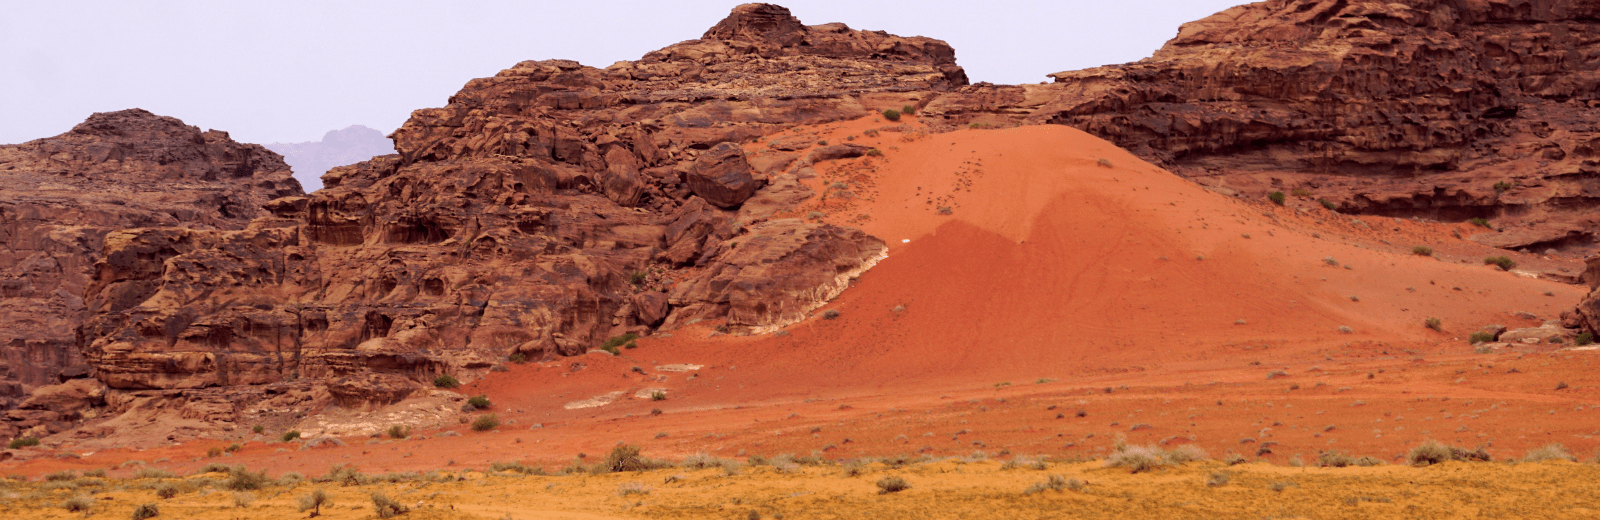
column 616, row 341
column 891, row 114
column 1480, row 222
column 908, row 110
column 345, row 475
column 242, row 499
column 258, row 428
column 636, row 277
column 146, row 511
column 1328, row 204
column 1422, row 250
column 23, row 442
column 1276, row 197
column 517, row 358
column 626, row 457
column 831, row 314
column 1502, row 187
column 385, row 507
column 874, row 152
column 1435, row 452
column 1334, row 459
column 1550, row 451
column 1135, row 458
column 479, row 401
column 1218, row 479
column 166, row 490
column 233, row 447
column 1505, row 263
column 240, row 479
column 1585, row 338
column 152, row 473
column 1434, row 323
column 658, row 395
column 291, row 435
column 1104, row 163
column 1480, row 337
column 1300, row 192
column 485, row 423
column 1054, row 483
column 214, row 452
column 314, row 501
column 888, row 485
column 446, row 381
column 399, row 431
column 78, row 503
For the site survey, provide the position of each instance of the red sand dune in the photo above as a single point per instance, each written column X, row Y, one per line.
column 1146, row 298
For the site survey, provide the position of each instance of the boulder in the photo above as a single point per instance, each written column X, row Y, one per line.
column 722, row 176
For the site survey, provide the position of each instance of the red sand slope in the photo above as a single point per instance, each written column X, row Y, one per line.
column 1053, row 266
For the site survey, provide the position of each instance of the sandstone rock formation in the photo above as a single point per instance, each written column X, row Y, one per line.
column 342, row 147
column 542, row 211
column 1440, row 109
column 60, row 196
column 554, row 205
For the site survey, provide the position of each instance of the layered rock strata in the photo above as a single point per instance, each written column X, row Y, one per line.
column 1439, row 109
column 542, row 211
column 60, row 197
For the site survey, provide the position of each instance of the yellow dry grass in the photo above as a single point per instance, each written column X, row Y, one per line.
column 942, row 489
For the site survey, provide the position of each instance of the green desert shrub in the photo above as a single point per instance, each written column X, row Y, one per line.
column 1276, row 197
column 291, row 435
column 1434, row 323
column 23, row 442
column 1481, row 222
column 1502, row 187
column 485, row 423
column 1300, row 192
column 399, row 431
column 1505, row 263
column 1422, row 250
column 891, row 114
column 479, row 401
column 1585, row 338
column 908, row 110
column 446, row 381
column 1328, row 204
column 1481, row 336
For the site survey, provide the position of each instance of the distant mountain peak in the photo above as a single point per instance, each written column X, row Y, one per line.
column 349, row 145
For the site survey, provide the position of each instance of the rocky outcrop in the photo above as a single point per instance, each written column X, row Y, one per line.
column 60, row 197
column 542, row 211
column 1441, row 109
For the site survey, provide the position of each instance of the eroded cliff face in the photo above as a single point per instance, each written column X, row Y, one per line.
column 554, row 205
column 60, row 197
column 542, row 211
column 1412, row 108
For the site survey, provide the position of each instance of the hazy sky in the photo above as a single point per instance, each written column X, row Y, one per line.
column 288, row 71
